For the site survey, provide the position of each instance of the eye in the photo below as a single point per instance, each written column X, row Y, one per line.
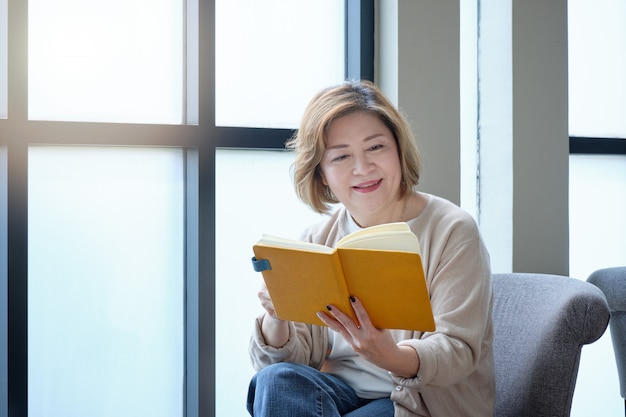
column 376, row 147
column 338, row 158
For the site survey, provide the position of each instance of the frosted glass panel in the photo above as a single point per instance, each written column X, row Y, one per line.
column 597, row 58
column 3, row 58
column 597, row 212
column 272, row 56
column 105, row 282
column 113, row 61
column 268, row 206
column 597, row 240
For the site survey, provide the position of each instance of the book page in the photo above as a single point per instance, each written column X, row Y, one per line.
column 281, row 242
column 379, row 228
column 390, row 236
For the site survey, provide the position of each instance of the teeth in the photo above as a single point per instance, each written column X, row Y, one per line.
column 367, row 185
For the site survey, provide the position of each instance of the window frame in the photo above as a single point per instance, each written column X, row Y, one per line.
column 596, row 146
column 199, row 141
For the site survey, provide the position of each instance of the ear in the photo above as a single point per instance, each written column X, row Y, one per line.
column 322, row 176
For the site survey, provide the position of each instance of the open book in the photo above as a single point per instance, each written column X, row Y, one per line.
column 381, row 265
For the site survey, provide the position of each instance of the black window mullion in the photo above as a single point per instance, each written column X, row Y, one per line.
column 17, row 280
column 15, row 139
column 360, row 39
column 3, row 277
column 257, row 138
column 597, row 146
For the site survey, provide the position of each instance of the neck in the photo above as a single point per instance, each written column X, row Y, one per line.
column 398, row 213
column 403, row 213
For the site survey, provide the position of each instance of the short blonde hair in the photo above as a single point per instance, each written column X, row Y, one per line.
column 309, row 141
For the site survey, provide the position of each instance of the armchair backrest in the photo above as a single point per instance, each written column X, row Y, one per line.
column 541, row 323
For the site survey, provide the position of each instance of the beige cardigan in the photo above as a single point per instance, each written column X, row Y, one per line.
column 456, row 375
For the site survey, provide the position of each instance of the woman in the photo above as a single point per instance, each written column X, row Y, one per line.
column 354, row 148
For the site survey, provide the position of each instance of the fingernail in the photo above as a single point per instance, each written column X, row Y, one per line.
column 352, row 298
column 329, row 308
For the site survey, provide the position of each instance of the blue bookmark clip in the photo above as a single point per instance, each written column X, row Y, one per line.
column 260, row 265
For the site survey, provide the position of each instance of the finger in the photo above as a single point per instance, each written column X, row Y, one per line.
column 361, row 313
column 347, row 322
column 330, row 321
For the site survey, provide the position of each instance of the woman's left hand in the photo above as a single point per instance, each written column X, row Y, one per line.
column 375, row 345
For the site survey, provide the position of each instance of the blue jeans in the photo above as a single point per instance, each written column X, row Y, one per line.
column 289, row 389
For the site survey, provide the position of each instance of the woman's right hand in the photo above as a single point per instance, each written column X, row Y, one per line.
column 275, row 331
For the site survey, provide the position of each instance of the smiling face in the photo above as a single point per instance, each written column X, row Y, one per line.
column 362, row 168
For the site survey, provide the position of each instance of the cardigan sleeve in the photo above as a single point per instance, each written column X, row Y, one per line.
column 306, row 345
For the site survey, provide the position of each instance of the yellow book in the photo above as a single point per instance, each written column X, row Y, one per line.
column 381, row 265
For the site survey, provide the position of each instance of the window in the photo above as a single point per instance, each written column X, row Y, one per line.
column 117, row 61
column 264, row 51
column 597, row 166
column 148, row 145
column 597, row 85
column 597, row 56
column 244, row 176
column 243, row 217
column 99, row 221
column 105, row 281
column 597, row 91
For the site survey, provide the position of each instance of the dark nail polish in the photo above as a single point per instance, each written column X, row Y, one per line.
column 352, row 298
column 329, row 308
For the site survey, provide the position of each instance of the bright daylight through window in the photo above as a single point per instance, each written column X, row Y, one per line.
column 271, row 57
column 597, row 105
column 105, row 282
column 597, row 58
column 264, row 51
column 114, row 61
column 597, row 202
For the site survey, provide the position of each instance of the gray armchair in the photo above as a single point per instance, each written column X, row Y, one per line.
column 541, row 323
column 612, row 282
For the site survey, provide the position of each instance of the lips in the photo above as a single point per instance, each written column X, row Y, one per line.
column 367, row 186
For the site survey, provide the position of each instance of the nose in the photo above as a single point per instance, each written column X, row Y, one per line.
column 362, row 165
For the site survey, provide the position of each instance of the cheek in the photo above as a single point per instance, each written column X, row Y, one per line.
column 334, row 176
column 394, row 162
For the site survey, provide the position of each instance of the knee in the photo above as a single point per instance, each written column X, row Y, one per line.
column 284, row 376
column 275, row 380
column 281, row 372
column 284, row 386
